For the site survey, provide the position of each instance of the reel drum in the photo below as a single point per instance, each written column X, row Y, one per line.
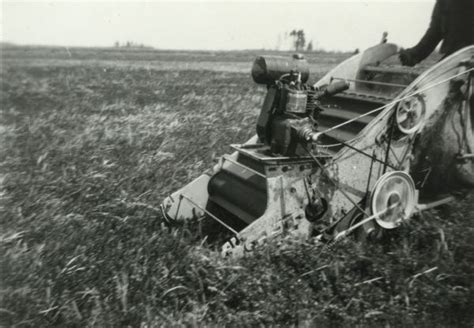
column 393, row 199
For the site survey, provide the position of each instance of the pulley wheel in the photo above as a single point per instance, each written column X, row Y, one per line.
column 393, row 199
column 410, row 114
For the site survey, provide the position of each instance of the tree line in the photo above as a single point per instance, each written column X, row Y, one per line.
column 299, row 41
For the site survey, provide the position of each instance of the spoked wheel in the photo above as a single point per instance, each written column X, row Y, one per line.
column 410, row 114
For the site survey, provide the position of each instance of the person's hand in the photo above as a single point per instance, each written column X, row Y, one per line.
column 406, row 58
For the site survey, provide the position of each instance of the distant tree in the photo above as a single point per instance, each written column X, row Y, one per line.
column 310, row 46
column 299, row 40
column 131, row 45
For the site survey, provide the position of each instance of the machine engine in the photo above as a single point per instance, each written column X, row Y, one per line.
column 290, row 110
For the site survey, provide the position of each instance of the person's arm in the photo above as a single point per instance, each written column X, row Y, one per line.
column 428, row 42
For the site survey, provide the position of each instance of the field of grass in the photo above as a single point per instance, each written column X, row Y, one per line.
column 91, row 141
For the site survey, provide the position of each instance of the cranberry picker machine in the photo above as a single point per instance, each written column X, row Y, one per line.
column 353, row 153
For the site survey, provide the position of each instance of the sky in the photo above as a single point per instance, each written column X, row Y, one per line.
column 218, row 25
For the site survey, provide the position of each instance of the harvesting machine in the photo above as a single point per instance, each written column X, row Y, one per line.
column 360, row 151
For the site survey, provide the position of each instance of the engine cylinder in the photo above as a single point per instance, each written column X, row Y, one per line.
column 268, row 69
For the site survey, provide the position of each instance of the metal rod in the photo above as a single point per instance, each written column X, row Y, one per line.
column 244, row 151
column 177, row 209
column 466, row 156
column 372, row 82
column 226, row 158
column 389, row 144
column 209, row 213
column 370, row 172
column 423, row 207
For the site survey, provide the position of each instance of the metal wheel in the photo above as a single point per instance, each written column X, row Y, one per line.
column 410, row 114
column 393, row 199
